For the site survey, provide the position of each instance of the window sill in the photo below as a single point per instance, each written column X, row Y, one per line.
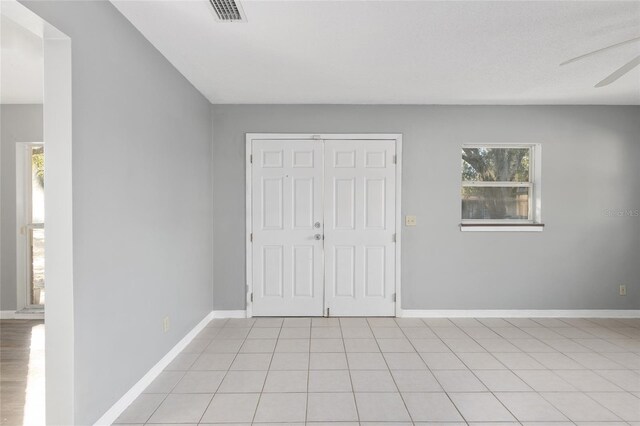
column 501, row 227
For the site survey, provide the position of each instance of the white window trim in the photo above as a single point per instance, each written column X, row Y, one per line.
column 534, row 224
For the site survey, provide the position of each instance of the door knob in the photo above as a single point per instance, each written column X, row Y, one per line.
column 316, row 225
column 317, row 237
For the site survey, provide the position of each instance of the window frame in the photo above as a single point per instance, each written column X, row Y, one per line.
column 534, row 220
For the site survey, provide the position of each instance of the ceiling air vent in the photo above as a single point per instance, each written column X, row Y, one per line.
column 228, row 10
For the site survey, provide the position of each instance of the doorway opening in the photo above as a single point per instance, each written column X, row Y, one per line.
column 36, row 72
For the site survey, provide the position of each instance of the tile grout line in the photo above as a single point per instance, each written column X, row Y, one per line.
column 255, row 413
column 511, row 370
column 184, row 373
column 553, row 371
column 346, row 356
column 224, row 375
column 478, row 378
column 306, row 411
column 375, row 339
column 228, row 369
column 431, row 371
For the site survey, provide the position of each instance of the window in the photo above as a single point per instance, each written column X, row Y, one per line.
column 500, row 185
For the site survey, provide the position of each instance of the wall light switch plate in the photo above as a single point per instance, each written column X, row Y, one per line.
column 165, row 324
column 410, row 221
column 623, row 290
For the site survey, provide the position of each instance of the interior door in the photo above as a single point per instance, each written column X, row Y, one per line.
column 359, row 213
column 287, row 227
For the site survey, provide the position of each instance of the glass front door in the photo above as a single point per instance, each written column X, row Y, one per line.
column 35, row 232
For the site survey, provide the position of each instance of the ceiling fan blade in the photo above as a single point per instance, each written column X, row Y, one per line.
column 622, row 43
column 620, row 72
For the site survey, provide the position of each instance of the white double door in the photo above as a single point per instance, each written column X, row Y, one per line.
column 323, row 227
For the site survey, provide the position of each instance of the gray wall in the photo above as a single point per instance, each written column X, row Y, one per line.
column 590, row 164
column 142, row 202
column 18, row 123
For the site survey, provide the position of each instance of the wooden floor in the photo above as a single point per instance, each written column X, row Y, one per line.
column 21, row 372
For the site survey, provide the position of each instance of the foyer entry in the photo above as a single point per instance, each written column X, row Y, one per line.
column 322, row 225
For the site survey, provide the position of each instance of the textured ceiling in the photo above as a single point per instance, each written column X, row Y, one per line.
column 398, row 52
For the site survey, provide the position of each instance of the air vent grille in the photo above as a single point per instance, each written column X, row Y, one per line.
column 228, row 10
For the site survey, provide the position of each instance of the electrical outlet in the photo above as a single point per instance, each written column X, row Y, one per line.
column 623, row 290
column 410, row 220
column 165, row 324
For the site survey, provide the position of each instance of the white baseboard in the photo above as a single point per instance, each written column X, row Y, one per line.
column 520, row 313
column 26, row 314
column 230, row 314
column 23, row 314
column 114, row 412
column 7, row 314
column 490, row 313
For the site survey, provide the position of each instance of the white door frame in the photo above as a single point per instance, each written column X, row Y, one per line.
column 23, row 213
column 397, row 137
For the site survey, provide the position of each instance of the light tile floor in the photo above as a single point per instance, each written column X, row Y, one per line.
column 352, row 371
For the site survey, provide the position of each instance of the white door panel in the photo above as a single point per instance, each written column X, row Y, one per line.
column 344, row 189
column 286, row 204
column 359, row 207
